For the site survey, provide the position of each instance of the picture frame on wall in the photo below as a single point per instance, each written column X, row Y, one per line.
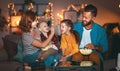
column 72, row 15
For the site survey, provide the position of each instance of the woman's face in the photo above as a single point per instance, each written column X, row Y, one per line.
column 43, row 27
column 64, row 28
column 34, row 23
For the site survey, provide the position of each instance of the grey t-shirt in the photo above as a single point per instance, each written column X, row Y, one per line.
column 27, row 39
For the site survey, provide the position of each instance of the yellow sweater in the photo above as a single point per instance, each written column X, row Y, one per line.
column 68, row 42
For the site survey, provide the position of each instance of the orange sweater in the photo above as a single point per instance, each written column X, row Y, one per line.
column 68, row 42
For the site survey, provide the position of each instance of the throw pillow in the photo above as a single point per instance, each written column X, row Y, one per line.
column 19, row 56
column 10, row 47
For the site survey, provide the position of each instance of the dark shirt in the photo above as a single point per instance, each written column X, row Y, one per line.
column 54, row 39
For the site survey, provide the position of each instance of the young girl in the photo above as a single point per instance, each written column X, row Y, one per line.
column 52, row 47
column 69, row 40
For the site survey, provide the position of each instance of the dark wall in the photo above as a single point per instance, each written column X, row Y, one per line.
column 108, row 10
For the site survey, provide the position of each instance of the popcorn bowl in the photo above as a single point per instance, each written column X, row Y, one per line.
column 85, row 51
column 86, row 63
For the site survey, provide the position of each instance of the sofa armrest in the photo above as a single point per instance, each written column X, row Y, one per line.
column 109, row 64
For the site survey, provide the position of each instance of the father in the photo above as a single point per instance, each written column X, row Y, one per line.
column 92, row 35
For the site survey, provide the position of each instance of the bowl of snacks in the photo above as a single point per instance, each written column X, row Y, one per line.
column 85, row 51
column 86, row 63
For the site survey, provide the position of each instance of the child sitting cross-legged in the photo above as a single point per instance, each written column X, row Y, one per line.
column 52, row 47
column 69, row 41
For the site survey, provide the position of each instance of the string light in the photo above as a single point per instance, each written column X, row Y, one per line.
column 11, row 5
column 31, row 6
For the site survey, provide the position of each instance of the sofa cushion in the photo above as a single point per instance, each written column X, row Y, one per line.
column 10, row 44
column 3, row 55
column 109, row 64
column 10, row 47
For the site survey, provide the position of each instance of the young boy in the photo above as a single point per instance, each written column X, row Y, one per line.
column 52, row 47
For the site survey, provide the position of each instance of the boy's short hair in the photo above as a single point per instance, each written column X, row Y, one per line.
column 40, row 20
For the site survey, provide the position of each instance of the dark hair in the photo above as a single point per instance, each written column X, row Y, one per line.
column 70, row 24
column 26, row 21
column 92, row 9
column 20, row 12
column 31, row 14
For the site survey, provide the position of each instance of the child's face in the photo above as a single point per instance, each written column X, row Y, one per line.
column 43, row 27
column 64, row 28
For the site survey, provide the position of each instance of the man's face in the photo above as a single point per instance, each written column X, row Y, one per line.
column 87, row 18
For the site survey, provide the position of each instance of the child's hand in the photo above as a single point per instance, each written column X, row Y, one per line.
column 51, row 43
column 63, row 58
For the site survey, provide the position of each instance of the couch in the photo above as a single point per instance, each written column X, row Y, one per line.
column 11, row 57
column 8, row 52
column 7, row 63
column 110, row 57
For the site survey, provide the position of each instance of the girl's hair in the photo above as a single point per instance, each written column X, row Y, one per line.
column 26, row 21
column 70, row 24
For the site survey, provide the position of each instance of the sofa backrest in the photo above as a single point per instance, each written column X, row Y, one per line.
column 113, row 34
column 10, row 45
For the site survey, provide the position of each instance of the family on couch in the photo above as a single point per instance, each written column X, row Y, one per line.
column 92, row 36
column 40, row 43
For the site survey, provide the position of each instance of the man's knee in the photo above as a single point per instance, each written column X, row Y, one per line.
column 77, row 57
column 95, row 58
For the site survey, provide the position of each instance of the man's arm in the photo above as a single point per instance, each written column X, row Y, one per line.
column 92, row 46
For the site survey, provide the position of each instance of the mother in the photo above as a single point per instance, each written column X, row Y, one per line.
column 31, row 40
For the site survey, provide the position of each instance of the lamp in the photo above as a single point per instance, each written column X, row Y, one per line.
column 15, row 21
column 15, row 24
